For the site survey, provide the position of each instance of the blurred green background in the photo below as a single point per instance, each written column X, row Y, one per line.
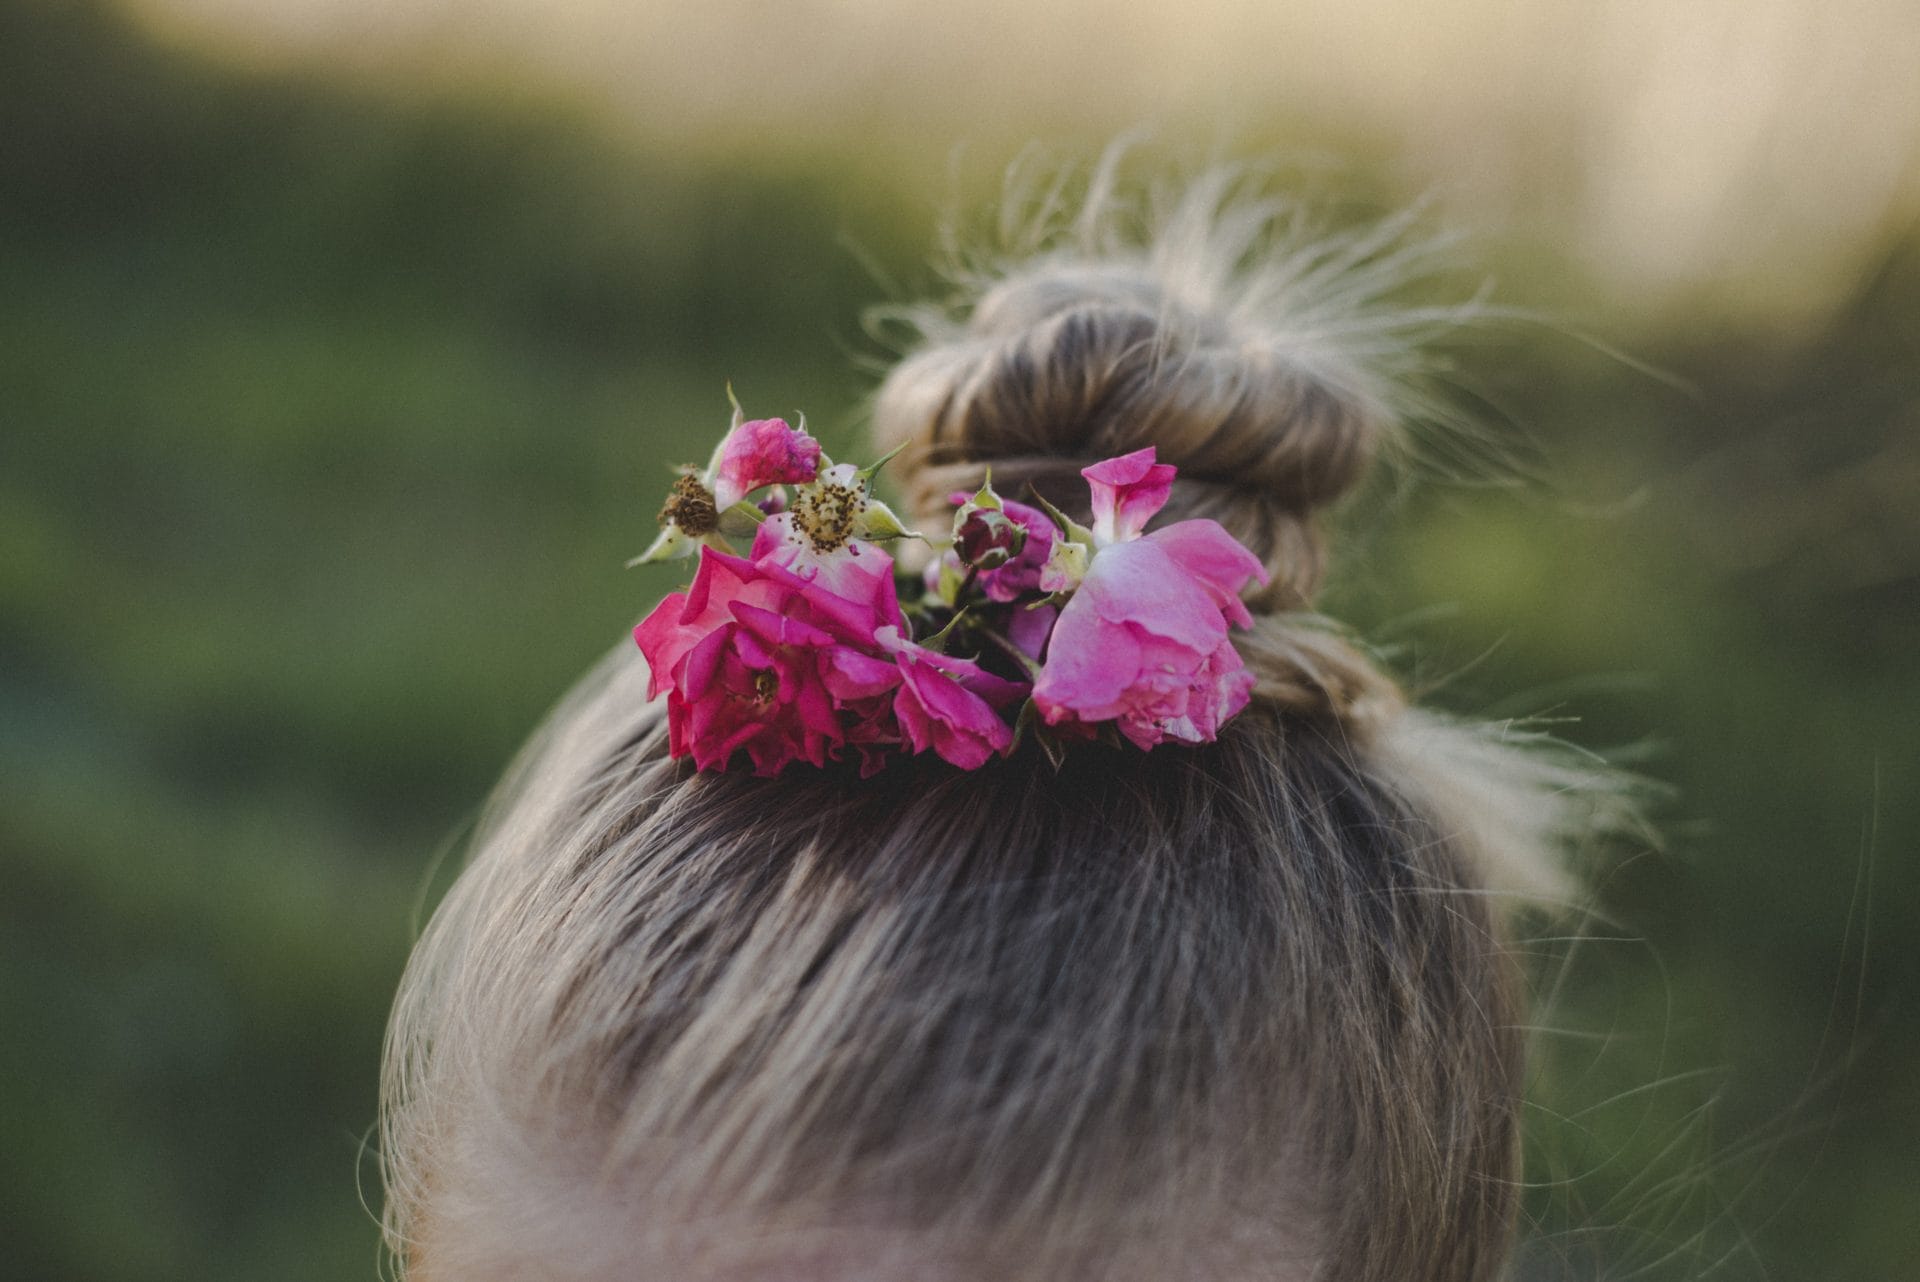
column 342, row 345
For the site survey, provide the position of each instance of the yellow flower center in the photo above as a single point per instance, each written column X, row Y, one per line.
column 827, row 513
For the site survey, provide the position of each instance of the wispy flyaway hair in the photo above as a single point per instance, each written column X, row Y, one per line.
column 1242, row 1009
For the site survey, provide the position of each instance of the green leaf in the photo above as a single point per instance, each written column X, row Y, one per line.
column 1055, row 750
column 1023, row 721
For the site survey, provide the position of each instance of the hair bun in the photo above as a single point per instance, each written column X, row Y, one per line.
column 1207, row 342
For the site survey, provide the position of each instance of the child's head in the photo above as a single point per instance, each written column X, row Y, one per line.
column 1237, row 1010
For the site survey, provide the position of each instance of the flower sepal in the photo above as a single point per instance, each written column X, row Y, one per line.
column 1065, row 569
column 881, row 524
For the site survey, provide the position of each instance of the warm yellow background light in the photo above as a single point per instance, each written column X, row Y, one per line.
column 1751, row 151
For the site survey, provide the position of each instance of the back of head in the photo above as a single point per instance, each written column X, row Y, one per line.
column 1233, row 1010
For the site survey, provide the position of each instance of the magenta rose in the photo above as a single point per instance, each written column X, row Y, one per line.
column 790, row 657
column 948, row 704
column 755, row 658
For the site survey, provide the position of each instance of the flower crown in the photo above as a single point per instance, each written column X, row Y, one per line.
column 1026, row 622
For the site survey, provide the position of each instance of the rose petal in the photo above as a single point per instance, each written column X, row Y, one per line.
column 946, row 704
column 851, row 587
column 777, row 629
column 765, row 451
column 1214, row 559
column 1139, row 583
column 703, row 663
column 1127, row 491
column 657, row 635
column 1029, row 629
column 849, row 675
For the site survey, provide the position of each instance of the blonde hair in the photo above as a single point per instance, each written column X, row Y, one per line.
column 1243, row 1008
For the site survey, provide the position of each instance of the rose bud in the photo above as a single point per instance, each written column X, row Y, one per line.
column 987, row 539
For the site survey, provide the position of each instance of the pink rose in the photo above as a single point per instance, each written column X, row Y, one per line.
column 763, row 451
column 987, row 538
column 1143, row 641
column 948, row 704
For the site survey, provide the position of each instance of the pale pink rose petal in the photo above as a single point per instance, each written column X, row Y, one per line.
column 1138, row 582
column 763, row 451
column 1127, row 491
column 1191, row 707
column 1215, row 560
column 1090, row 663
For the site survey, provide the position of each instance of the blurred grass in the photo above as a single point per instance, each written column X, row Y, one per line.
column 327, row 416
